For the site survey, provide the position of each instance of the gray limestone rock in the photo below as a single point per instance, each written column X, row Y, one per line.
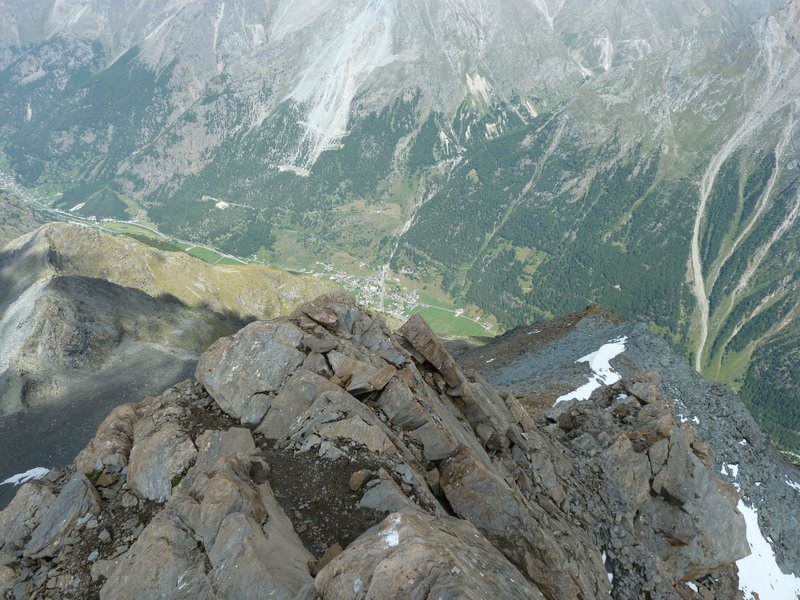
column 414, row 555
column 159, row 458
column 165, row 562
column 257, row 360
column 24, row 514
column 77, row 498
column 549, row 507
column 398, row 402
column 248, row 563
column 522, row 532
column 111, row 445
column 214, row 445
column 299, row 393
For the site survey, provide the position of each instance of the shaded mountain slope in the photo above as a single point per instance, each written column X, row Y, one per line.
column 17, row 218
column 88, row 320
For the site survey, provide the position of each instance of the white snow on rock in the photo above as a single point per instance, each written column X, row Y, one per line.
column 730, row 470
column 603, row 374
column 792, row 484
column 759, row 574
column 30, row 475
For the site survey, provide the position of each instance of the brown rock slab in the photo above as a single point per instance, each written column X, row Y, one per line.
column 414, row 555
column 358, row 479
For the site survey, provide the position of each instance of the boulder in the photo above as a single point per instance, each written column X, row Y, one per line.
column 244, row 371
column 248, row 563
column 165, row 562
column 299, row 393
column 414, row 555
column 76, row 499
column 111, row 445
column 24, row 514
column 158, row 460
column 522, row 532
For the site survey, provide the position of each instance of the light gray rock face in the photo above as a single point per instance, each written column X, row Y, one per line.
column 362, row 460
column 77, row 498
column 657, row 477
column 293, row 400
column 23, row 514
column 162, row 451
column 111, row 446
column 165, row 562
column 244, row 371
column 413, row 555
column 239, row 555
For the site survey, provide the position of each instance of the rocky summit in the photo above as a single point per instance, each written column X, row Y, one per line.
column 324, row 456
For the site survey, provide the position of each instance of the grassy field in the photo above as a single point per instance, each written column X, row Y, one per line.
column 445, row 320
column 443, row 317
column 158, row 240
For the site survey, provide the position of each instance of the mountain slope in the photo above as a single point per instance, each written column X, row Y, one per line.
column 88, row 320
column 634, row 155
column 539, row 364
column 405, row 477
column 17, row 218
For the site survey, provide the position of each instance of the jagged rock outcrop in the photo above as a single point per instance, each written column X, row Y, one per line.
column 537, row 364
column 322, row 456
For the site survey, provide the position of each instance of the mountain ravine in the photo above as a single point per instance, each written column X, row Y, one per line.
column 324, row 456
column 637, row 155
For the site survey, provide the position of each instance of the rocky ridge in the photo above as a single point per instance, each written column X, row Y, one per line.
column 323, row 456
column 89, row 321
column 538, row 363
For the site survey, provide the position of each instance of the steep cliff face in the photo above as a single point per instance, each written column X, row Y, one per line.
column 322, row 456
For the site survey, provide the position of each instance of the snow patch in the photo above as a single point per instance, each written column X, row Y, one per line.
column 759, row 574
column 391, row 536
column 732, row 470
column 609, row 573
column 692, row 586
column 795, row 486
column 29, row 475
column 603, row 374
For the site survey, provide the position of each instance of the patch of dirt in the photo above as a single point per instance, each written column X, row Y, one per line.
column 206, row 414
column 316, row 495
